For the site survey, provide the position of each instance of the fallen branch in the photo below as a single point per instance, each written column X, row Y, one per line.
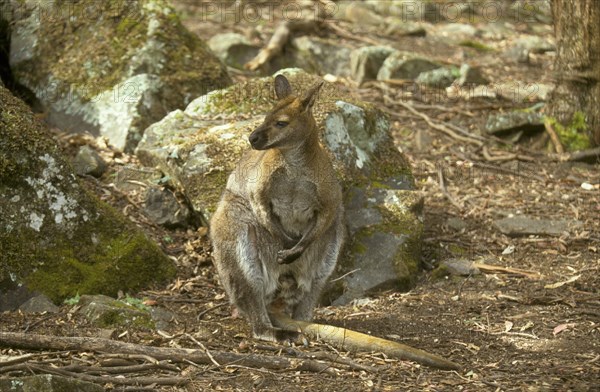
column 28, row 367
column 48, row 342
column 280, row 37
column 554, row 137
column 356, row 341
column 592, row 156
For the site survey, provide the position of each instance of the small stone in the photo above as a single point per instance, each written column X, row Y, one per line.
column 162, row 317
column 456, row 224
column 423, row 140
column 405, row 65
column 400, row 28
column 456, row 30
column 461, row 267
column 39, row 304
column 105, row 312
column 47, row 383
column 365, row 62
column 89, row 162
column 439, row 78
column 163, row 208
column 524, row 225
column 524, row 45
column 514, row 121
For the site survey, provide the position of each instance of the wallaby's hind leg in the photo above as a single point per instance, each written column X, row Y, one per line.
column 246, row 287
column 334, row 240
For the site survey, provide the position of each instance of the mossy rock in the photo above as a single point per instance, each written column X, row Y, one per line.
column 105, row 312
column 48, row 383
column 55, row 237
column 199, row 147
column 110, row 67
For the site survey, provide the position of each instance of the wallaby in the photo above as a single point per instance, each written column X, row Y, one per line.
column 278, row 229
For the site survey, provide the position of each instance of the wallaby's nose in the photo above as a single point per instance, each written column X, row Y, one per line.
column 257, row 140
column 253, row 138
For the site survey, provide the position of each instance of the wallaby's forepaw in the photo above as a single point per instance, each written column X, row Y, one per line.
column 287, row 256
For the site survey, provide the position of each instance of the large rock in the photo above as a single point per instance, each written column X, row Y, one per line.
column 233, row 49
column 405, row 65
column 514, row 121
column 112, row 68
column 366, row 61
column 320, row 56
column 55, row 237
column 200, row 146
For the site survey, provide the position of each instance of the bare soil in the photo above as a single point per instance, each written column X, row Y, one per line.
column 511, row 332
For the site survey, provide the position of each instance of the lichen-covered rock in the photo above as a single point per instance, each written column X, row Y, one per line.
column 514, row 121
column 164, row 209
column 199, row 147
column 88, row 161
column 469, row 76
column 112, row 68
column 105, row 312
column 39, row 304
column 439, row 78
column 233, row 49
column 366, row 61
column 405, row 65
column 55, row 237
column 320, row 56
column 47, row 383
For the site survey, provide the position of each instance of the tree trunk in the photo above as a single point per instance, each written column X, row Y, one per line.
column 577, row 65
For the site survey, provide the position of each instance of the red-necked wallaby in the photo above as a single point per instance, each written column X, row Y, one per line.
column 278, row 229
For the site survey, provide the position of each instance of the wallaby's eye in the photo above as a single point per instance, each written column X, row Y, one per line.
column 281, row 124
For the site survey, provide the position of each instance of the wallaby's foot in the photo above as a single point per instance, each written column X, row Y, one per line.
column 288, row 256
column 278, row 335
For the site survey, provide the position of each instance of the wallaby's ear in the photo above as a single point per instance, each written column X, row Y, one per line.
column 309, row 97
column 282, row 87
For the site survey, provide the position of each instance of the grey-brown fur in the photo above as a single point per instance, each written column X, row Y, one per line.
column 278, row 229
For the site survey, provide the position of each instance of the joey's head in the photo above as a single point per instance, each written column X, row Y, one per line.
column 290, row 122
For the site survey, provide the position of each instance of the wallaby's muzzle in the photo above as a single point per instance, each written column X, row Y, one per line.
column 258, row 138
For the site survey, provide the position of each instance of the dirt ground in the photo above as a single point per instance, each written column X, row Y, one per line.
column 533, row 331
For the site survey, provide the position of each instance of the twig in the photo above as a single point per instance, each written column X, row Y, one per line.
column 488, row 268
column 440, row 127
column 212, row 359
column 348, row 35
column 122, row 369
column 554, row 137
column 443, row 109
column 445, row 191
column 343, row 276
column 217, row 306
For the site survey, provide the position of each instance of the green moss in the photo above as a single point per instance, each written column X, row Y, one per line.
column 104, row 47
column 480, row 47
column 123, row 315
column 573, row 136
column 97, row 251
column 128, row 261
column 440, row 272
